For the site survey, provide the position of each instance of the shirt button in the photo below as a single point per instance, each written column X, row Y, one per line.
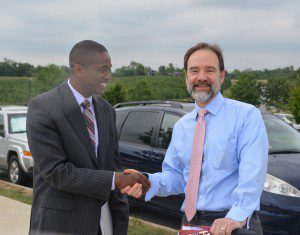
column 200, row 196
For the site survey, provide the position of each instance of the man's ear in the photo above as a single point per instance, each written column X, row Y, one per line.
column 77, row 69
column 223, row 76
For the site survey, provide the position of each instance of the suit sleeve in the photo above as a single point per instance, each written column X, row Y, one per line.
column 51, row 161
column 118, row 202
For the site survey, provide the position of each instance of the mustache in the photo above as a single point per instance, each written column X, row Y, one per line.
column 201, row 84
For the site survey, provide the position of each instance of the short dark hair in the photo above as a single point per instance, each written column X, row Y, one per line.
column 205, row 46
column 83, row 51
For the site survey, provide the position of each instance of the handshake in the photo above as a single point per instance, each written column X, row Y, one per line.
column 132, row 182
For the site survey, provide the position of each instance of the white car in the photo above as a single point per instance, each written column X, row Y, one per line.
column 15, row 156
column 288, row 118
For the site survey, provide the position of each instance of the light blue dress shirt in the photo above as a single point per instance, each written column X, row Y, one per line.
column 234, row 161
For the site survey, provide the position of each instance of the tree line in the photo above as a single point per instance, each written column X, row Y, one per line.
column 277, row 89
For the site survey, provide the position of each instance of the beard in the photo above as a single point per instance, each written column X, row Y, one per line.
column 203, row 96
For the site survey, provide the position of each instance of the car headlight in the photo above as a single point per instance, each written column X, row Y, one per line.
column 278, row 186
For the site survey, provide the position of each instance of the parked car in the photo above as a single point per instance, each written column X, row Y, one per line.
column 289, row 119
column 145, row 130
column 15, row 156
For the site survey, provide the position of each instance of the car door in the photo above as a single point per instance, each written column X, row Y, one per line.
column 136, row 139
column 171, row 203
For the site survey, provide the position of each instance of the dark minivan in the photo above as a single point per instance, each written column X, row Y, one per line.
column 145, row 130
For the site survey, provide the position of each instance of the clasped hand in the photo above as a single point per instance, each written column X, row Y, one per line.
column 132, row 182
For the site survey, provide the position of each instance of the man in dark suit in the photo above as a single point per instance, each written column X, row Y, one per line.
column 73, row 140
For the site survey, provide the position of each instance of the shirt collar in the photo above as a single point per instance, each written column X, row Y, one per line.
column 212, row 107
column 79, row 98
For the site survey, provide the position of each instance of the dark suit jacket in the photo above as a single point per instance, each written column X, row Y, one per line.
column 70, row 185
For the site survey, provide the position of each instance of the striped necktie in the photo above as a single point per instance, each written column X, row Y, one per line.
column 89, row 119
column 191, row 194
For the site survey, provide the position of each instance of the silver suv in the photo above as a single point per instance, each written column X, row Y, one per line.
column 15, row 156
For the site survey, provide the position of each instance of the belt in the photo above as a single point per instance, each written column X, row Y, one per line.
column 207, row 216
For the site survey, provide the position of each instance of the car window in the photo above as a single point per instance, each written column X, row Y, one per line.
column 139, row 126
column 120, row 116
column 282, row 137
column 17, row 123
column 1, row 125
column 166, row 129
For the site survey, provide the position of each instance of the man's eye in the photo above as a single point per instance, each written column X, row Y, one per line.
column 103, row 70
column 211, row 70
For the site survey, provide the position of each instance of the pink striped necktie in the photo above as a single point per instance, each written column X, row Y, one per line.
column 191, row 194
column 89, row 119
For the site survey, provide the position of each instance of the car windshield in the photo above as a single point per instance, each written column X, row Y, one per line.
column 282, row 137
column 17, row 123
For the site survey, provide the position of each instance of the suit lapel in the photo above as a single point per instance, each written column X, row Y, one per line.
column 74, row 115
column 103, row 130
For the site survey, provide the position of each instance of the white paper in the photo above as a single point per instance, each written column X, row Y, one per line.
column 192, row 228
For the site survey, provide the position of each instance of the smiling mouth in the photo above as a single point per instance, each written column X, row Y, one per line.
column 201, row 86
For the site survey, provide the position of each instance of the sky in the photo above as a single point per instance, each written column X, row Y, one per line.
column 255, row 34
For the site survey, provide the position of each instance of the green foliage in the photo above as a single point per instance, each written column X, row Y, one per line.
column 161, row 87
column 264, row 74
column 12, row 68
column 140, row 91
column 226, row 84
column 115, row 94
column 277, row 93
column 14, row 91
column 138, row 227
column 246, row 90
column 294, row 103
column 49, row 77
column 16, row 195
column 134, row 69
column 162, row 70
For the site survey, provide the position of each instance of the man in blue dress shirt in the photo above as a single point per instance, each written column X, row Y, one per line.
column 235, row 151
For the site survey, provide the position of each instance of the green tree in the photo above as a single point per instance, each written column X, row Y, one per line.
column 140, row 91
column 277, row 93
column 48, row 77
column 247, row 90
column 226, row 84
column 140, row 70
column 115, row 94
column 162, row 70
column 294, row 103
column 170, row 69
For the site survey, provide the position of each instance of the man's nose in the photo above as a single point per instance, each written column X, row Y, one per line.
column 201, row 76
column 107, row 76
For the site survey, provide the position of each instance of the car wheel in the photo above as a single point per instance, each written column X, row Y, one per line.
column 16, row 174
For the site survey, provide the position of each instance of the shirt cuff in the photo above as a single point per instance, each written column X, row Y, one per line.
column 154, row 188
column 238, row 214
column 113, row 186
